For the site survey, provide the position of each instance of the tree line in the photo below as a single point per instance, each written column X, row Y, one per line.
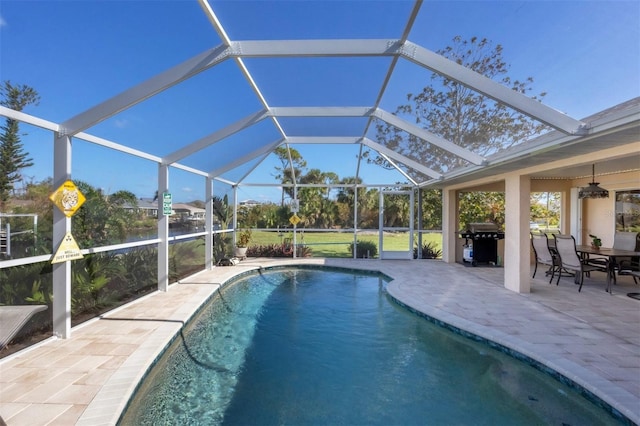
column 13, row 158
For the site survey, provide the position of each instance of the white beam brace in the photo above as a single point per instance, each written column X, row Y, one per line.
column 215, row 137
column 116, row 146
column 399, row 169
column 29, row 119
column 246, row 158
column 492, row 89
column 307, row 48
column 392, row 66
column 401, row 158
column 321, row 111
column 429, row 137
column 255, row 166
column 215, row 22
column 323, row 139
column 145, row 90
column 189, row 169
column 225, row 181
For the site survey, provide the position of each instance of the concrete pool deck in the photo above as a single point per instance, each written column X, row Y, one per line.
column 591, row 337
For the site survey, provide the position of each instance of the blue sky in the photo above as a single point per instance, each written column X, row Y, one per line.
column 76, row 54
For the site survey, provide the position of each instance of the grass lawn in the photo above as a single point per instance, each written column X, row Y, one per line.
column 336, row 244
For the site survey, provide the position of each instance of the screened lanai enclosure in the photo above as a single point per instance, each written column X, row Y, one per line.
column 344, row 128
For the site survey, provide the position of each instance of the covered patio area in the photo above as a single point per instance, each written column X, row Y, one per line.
column 591, row 338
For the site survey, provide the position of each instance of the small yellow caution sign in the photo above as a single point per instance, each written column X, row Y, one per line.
column 294, row 220
column 68, row 250
column 68, row 198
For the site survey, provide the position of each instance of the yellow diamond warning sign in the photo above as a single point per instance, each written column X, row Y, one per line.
column 68, row 198
column 68, row 250
column 294, row 219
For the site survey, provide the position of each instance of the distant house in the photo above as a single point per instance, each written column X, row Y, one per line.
column 249, row 203
column 187, row 213
column 189, row 210
column 146, row 207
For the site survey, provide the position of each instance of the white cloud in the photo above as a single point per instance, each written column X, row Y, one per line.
column 3, row 23
column 187, row 189
column 122, row 123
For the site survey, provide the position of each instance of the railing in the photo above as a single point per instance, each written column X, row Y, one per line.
column 105, row 278
column 5, row 241
column 131, row 268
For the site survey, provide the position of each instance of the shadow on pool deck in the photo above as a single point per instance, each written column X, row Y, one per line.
column 590, row 337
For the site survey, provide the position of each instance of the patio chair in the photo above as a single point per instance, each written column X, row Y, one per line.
column 570, row 260
column 621, row 241
column 630, row 267
column 544, row 254
column 13, row 318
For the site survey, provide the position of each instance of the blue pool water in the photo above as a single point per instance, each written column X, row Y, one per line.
column 325, row 347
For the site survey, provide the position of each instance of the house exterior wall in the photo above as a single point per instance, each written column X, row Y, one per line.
column 598, row 215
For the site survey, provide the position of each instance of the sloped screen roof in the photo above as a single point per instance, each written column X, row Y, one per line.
column 218, row 85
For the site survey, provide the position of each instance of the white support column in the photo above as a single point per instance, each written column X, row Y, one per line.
column 574, row 215
column 295, row 242
column 381, row 224
column 449, row 225
column 517, row 265
column 420, row 224
column 163, row 230
column 61, row 225
column 208, row 225
column 412, row 222
column 355, row 220
column 235, row 215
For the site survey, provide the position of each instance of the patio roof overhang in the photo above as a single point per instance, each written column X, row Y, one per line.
column 617, row 127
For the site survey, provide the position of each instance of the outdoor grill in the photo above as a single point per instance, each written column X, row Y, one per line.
column 483, row 247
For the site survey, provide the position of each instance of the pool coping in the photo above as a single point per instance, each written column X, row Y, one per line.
column 618, row 401
column 561, row 371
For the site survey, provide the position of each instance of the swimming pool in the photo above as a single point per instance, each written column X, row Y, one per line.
column 311, row 346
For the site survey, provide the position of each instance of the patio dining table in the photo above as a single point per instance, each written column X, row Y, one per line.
column 611, row 254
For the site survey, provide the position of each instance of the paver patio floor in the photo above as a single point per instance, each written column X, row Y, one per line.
column 591, row 337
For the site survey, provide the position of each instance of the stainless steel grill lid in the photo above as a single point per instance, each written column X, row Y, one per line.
column 483, row 227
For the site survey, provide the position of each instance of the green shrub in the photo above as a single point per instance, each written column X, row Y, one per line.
column 429, row 251
column 277, row 250
column 18, row 284
column 365, row 249
column 304, row 251
column 184, row 258
column 90, row 278
column 141, row 271
column 244, row 238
